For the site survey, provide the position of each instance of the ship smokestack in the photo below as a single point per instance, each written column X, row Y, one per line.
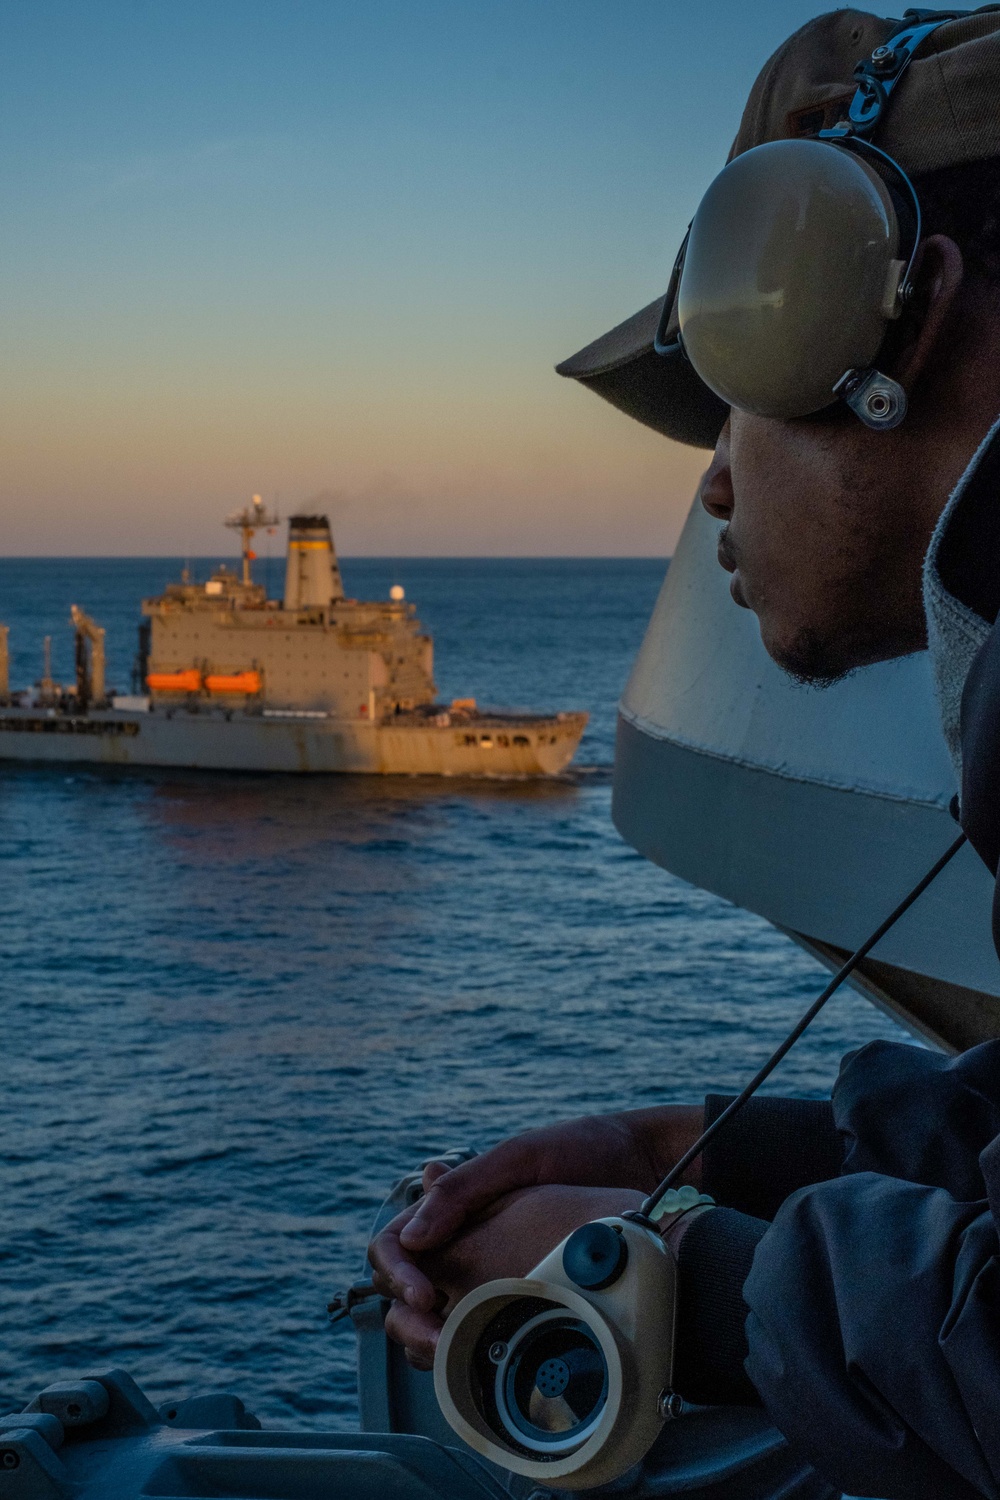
column 312, row 573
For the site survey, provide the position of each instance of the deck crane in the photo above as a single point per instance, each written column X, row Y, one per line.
column 89, row 665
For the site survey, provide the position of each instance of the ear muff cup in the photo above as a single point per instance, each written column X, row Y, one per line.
column 790, row 277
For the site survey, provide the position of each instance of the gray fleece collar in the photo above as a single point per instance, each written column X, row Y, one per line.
column 955, row 632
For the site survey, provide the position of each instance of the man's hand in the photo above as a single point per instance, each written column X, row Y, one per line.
column 635, row 1148
column 511, row 1237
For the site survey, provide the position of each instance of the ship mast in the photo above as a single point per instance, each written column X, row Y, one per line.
column 248, row 521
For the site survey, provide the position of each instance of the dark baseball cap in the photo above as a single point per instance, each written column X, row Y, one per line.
column 945, row 112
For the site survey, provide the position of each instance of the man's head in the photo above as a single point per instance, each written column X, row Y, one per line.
column 828, row 521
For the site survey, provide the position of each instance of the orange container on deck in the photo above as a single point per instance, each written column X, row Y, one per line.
column 175, row 682
column 233, row 682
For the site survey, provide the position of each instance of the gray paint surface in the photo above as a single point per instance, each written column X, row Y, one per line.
column 813, row 859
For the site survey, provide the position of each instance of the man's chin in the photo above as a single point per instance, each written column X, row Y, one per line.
column 806, row 658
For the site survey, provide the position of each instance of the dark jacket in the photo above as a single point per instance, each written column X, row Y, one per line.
column 873, row 1335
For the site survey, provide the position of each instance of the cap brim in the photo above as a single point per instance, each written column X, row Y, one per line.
column 661, row 391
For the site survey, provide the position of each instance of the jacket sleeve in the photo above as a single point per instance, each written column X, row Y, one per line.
column 874, row 1339
column 907, row 1112
column 874, row 1323
column 765, row 1152
column 772, row 1147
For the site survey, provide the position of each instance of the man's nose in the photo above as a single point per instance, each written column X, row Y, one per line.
column 716, row 489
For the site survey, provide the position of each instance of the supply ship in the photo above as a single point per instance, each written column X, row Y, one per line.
column 227, row 679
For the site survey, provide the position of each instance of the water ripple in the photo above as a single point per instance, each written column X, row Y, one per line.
column 237, row 1007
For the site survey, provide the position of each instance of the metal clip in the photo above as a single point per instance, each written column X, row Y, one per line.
column 344, row 1302
column 878, row 75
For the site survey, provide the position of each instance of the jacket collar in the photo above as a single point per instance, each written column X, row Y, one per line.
column 961, row 583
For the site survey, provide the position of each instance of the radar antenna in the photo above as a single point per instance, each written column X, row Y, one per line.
column 248, row 521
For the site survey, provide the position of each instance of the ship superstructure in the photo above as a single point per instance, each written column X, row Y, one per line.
column 227, row 678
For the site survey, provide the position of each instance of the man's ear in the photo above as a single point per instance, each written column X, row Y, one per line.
column 936, row 278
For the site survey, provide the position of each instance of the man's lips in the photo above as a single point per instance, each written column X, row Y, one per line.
column 736, row 591
column 728, row 561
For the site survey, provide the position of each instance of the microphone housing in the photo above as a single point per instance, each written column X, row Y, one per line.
column 562, row 1382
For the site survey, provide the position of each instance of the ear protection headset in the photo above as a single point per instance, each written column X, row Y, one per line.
column 799, row 258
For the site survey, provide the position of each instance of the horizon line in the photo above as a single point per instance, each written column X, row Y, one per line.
column 344, row 557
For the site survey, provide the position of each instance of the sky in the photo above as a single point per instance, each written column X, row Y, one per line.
column 329, row 252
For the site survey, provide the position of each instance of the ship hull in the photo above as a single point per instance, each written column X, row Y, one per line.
column 405, row 746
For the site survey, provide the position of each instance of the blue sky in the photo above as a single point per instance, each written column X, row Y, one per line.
column 334, row 250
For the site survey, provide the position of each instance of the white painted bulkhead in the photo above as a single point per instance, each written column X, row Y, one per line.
column 817, row 808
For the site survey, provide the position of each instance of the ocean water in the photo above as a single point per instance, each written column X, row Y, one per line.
column 235, row 1008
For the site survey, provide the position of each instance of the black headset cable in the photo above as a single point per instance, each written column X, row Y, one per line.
column 680, row 1167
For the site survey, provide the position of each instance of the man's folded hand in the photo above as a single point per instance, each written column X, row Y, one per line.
column 508, row 1239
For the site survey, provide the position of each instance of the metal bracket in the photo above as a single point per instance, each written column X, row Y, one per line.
column 876, row 399
column 878, row 75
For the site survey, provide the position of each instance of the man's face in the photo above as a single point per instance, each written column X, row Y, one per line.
column 822, row 539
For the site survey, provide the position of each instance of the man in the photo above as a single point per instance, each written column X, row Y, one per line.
column 851, row 1281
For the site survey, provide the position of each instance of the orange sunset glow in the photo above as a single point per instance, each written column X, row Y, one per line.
column 316, row 250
